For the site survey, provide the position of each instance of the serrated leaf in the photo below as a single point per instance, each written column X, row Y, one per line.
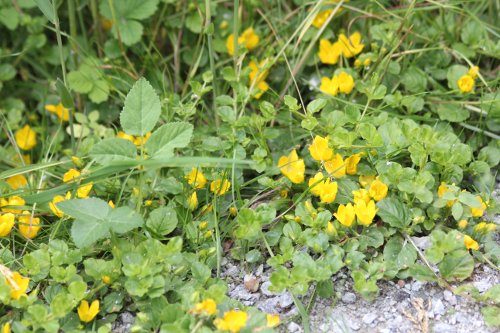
column 113, row 149
column 169, row 136
column 85, row 232
column 142, row 109
column 394, row 212
column 85, row 209
column 457, row 265
column 130, row 31
column 123, row 219
column 162, row 221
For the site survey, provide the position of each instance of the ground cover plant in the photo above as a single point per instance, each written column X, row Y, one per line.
column 142, row 142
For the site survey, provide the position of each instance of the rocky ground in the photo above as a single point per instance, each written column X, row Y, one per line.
column 402, row 306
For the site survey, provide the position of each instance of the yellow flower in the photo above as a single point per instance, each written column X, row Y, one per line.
column 473, row 71
column 346, row 83
column 208, row 234
column 106, row 279
column 490, row 227
column 367, row 62
column 284, row 194
column 330, row 86
column 319, row 149
column 141, row 140
column 378, row 190
column 111, row 204
column 61, row 112
column 17, row 181
column 207, row 306
column 28, row 226
column 330, row 229
column 351, row 164
column 351, row 46
column 329, row 53
column 442, row 189
column 203, row 225
column 6, row 224
column 223, row 25
column 480, row 227
column 196, row 178
column 18, row 285
column 462, row 224
column 470, row 243
column 273, row 320
column 292, row 167
column 465, row 83
column 320, row 18
column 248, row 38
column 328, row 191
column 262, row 87
column 220, row 186
column 345, row 214
column 357, row 63
column 25, row 138
column 125, row 136
column 86, row 313
column 53, row 204
column 336, row 166
column 478, row 212
column 193, row 201
column 233, row 211
column 72, row 175
column 13, row 201
column 318, row 179
column 361, row 194
column 106, row 24
column 148, row 203
column 366, row 180
column 232, row 321
column 6, row 328
column 365, row 212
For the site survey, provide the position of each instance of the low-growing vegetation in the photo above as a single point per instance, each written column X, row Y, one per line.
column 144, row 142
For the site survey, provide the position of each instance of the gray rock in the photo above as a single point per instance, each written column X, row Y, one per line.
column 369, row 318
column 269, row 305
column 416, row 286
column 264, row 288
column 422, row 242
column 286, row 300
column 438, row 306
column 349, row 298
column 294, row 327
column 123, row 323
column 354, row 325
column 449, row 297
column 482, row 285
column 242, row 294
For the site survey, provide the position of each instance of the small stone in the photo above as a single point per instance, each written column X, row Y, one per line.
column 416, row 286
column 449, row 297
column 251, row 283
column 401, row 283
column 482, row 285
column 369, row 318
column 422, row 242
column 294, row 327
column 265, row 289
column 349, row 298
column 286, row 300
column 438, row 307
column 354, row 325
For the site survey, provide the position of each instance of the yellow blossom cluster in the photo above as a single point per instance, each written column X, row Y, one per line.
column 136, row 140
column 466, row 82
column 29, row 226
column 348, row 47
column 258, row 75
column 475, row 211
column 343, row 83
column 197, row 180
column 248, row 39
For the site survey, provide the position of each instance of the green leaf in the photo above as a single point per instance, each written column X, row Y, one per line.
column 123, row 219
column 316, row 105
column 457, row 266
column 65, row 95
column 113, row 149
column 142, row 109
column 85, row 232
column 169, row 136
column 406, row 256
column 130, row 31
column 9, row 17
column 393, row 212
column 452, row 113
column 472, row 32
column 469, row 199
column 99, row 92
column 162, row 221
column 491, row 315
column 80, row 82
column 414, row 80
column 85, row 209
column 47, row 9
column 7, row 72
